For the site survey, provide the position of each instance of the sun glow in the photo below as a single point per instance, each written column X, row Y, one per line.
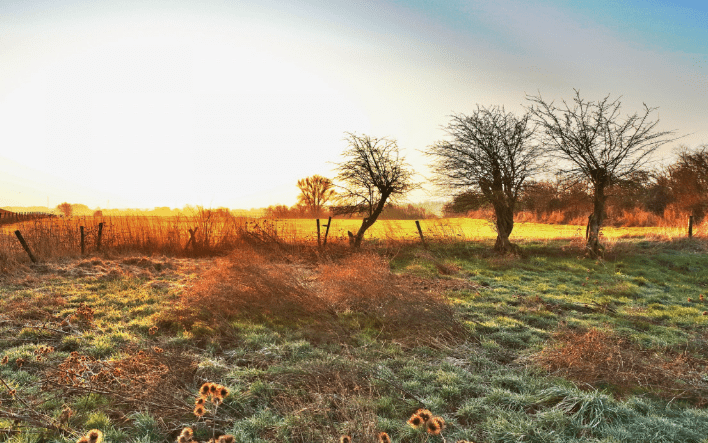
column 160, row 115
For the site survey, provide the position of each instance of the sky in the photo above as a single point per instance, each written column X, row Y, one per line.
column 227, row 104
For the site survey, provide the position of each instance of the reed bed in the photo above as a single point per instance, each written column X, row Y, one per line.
column 216, row 232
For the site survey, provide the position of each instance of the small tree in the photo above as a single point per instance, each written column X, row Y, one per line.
column 592, row 143
column 66, row 209
column 689, row 181
column 372, row 174
column 490, row 151
column 315, row 192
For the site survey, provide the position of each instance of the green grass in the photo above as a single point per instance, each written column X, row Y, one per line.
column 289, row 384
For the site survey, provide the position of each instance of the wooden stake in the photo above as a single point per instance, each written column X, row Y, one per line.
column 420, row 232
column 319, row 242
column 24, row 245
column 83, row 247
column 329, row 222
column 100, row 232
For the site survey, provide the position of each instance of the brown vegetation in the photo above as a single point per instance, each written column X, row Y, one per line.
column 314, row 293
column 599, row 358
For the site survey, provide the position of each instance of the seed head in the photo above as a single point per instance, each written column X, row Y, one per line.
column 95, row 436
column 204, row 390
column 345, row 439
column 424, row 414
column 435, row 425
column 222, row 392
column 226, row 439
column 4, row 360
column 415, row 420
column 200, row 401
column 187, row 432
column 199, row 411
column 384, row 438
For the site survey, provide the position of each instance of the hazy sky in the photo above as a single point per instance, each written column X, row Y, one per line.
column 228, row 103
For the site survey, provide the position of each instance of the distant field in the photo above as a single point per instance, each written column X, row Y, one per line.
column 464, row 229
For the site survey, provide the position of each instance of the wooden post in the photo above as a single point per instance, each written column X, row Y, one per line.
column 420, row 232
column 192, row 239
column 98, row 240
column 319, row 242
column 24, row 245
column 329, row 222
column 690, row 226
column 83, row 246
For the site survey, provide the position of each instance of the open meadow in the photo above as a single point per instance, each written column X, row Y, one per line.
column 315, row 343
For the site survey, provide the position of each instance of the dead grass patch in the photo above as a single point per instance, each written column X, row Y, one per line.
column 306, row 293
column 603, row 358
column 144, row 380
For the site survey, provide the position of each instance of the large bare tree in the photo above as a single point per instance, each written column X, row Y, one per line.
column 592, row 142
column 315, row 192
column 491, row 151
column 372, row 174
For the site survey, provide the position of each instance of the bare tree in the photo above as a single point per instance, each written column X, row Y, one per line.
column 372, row 174
column 66, row 209
column 490, row 151
column 315, row 192
column 594, row 144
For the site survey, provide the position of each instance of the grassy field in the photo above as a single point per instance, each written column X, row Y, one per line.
column 547, row 347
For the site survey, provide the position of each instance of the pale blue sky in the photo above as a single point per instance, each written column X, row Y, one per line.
column 164, row 103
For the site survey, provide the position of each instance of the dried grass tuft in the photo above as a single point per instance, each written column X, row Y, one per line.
column 598, row 358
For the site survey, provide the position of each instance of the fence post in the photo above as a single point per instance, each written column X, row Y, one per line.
column 98, row 240
column 83, row 248
column 420, row 232
column 329, row 222
column 690, row 226
column 24, row 245
column 192, row 239
column 319, row 242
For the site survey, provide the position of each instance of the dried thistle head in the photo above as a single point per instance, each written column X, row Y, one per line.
column 213, row 387
column 205, row 389
column 345, row 439
column 199, row 411
column 435, row 425
column 222, row 392
column 424, row 414
column 416, row 420
column 200, row 401
column 187, row 432
column 226, row 439
column 4, row 360
column 95, row 436
column 384, row 438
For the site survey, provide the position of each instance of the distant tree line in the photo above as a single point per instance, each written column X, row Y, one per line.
column 664, row 195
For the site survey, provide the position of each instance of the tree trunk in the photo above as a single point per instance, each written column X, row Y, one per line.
column 595, row 220
column 370, row 220
column 505, row 224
